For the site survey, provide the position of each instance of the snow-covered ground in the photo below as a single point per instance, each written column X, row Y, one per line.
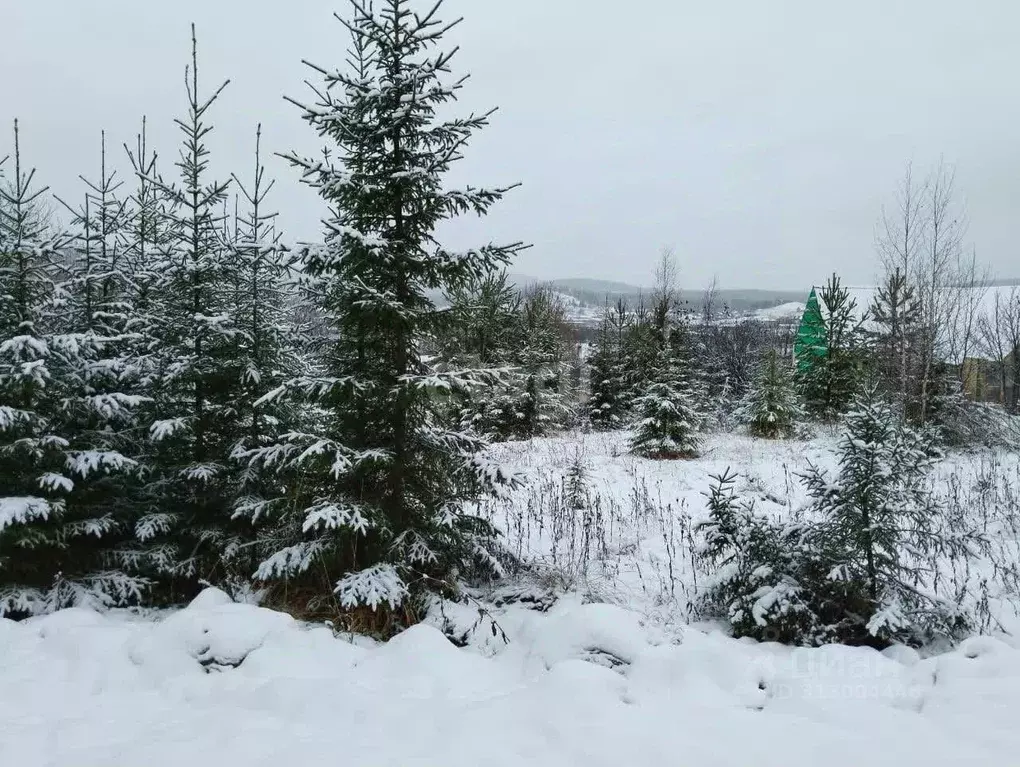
column 632, row 540
column 599, row 666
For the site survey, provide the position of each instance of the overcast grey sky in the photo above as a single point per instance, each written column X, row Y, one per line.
column 760, row 139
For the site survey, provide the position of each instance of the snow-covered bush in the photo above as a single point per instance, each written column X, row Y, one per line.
column 861, row 564
column 766, row 577
column 964, row 423
column 669, row 418
column 517, row 406
column 771, row 407
column 881, row 527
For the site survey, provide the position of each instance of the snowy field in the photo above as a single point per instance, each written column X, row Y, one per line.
column 599, row 665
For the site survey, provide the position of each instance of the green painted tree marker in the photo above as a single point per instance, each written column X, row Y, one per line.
column 810, row 344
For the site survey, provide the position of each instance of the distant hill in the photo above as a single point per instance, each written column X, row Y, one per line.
column 581, row 284
column 593, row 292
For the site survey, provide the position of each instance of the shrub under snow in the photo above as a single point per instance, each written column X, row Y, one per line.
column 862, row 564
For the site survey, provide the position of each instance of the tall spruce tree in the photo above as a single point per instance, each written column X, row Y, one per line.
column 269, row 353
column 147, row 239
column 148, row 246
column 98, row 380
column 896, row 338
column 34, row 529
column 193, row 418
column 263, row 270
column 376, row 491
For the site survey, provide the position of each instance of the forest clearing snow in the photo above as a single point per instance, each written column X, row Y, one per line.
column 599, row 666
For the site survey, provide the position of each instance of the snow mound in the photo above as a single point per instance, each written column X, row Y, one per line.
column 603, row 634
column 718, row 672
column 210, row 634
column 219, row 683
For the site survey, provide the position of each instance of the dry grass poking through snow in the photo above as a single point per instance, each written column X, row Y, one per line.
column 593, row 519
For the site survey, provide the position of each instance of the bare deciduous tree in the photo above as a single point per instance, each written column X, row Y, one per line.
column 1000, row 338
column 922, row 236
column 667, row 278
column 902, row 231
column 935, row 274
column 710, row 301
column 665, row 297
column 963, row 300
